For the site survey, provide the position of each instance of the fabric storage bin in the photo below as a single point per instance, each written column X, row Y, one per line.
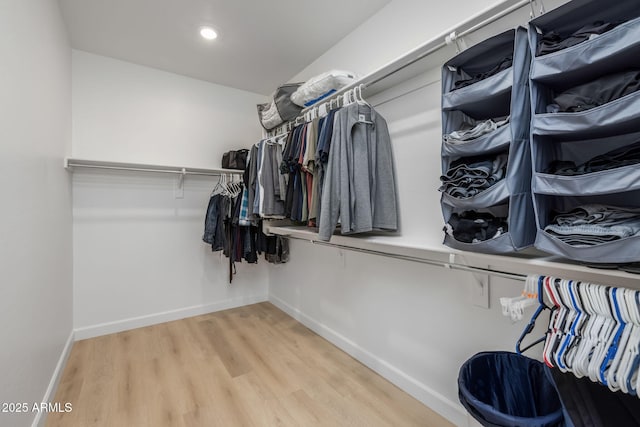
column 617, row 252
column 513, row 103
column 623, row 250
column 520, row 233
column 498, row 140
column 486, row 98
column 280, row 109
column 497, row 245
column 578, row 148
column 626, row 178
column 492, row 98
column 502, row 244
column 497, row 86
column 609, row 63
column 489, row 197
column 513, row 182
column 621, row 113
column 619, row 179
column 506, row 389
column 616, row 49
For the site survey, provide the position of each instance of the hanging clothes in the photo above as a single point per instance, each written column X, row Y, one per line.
column 310, row 169
column 271, row 203
column 359, row 185
column 214, row 222
column 586, row 403
column 225, row 230
column 322, row 157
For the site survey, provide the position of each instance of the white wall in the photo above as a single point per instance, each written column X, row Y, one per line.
column 413, row 323
column 35, row 219
column 138, row 252
column 396, row 29
column 130, row 113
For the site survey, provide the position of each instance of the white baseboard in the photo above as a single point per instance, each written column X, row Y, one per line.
column 40, row 417
column 167, row 316
column 452, row 411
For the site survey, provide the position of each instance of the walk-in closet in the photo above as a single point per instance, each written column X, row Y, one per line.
column 304, row 213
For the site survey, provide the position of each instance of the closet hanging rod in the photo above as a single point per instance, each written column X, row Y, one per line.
column 467, row 27
column 450, row 265
column 71, row 163
column 474, row 23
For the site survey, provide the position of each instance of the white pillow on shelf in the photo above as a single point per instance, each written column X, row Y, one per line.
column 320, row 86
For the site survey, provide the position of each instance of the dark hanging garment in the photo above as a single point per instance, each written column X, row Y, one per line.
column 211, row 221
column 280, row 249
column 253, row 177
column 289, row 162
column 589, row 404
column 249, row 244
column 214, row 228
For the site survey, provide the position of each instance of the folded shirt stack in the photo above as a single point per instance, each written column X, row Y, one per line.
column 469, row 176
column 475, row 227
column 593, row 224
column 597, row 92
column 469, row 132
column 623, row 156
column 502, row 65
column 553, row 42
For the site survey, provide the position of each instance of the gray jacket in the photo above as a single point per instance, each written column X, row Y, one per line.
column 359, row 186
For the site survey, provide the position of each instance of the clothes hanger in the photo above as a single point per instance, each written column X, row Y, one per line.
column 226, row 185
column 529, row 328
column 514, row 307
column 562, row 324
column 566, row 317
column 221, row 184
column 607, row 328
column 613, row 377
column 630, row 359
column 556, row 323
column 549, row 343
column 622, row 368
column 614, row 339
column 574, row 329
column 578, row 324
column 357, row 93
column 627, row 370
column 346, row 98
column 590, row 332
column 360, row 97
column 217, row 187
column 570, row 323
column 232, row 185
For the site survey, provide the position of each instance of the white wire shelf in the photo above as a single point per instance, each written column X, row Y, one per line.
column 71, row 163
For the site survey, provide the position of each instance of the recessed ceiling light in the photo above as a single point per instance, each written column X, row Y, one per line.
column 208, row 33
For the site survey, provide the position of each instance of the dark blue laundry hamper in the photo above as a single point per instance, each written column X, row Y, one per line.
column 506, row 389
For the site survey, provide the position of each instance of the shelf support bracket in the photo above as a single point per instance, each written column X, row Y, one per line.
column 453, row 38
column 178, row 191
column 183, row 172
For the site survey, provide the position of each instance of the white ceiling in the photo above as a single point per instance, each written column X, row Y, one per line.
column 261, row 43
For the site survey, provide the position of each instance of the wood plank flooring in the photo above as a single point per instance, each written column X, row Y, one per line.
column 250, row 366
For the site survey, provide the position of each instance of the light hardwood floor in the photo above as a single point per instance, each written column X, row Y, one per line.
column 253, row 366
